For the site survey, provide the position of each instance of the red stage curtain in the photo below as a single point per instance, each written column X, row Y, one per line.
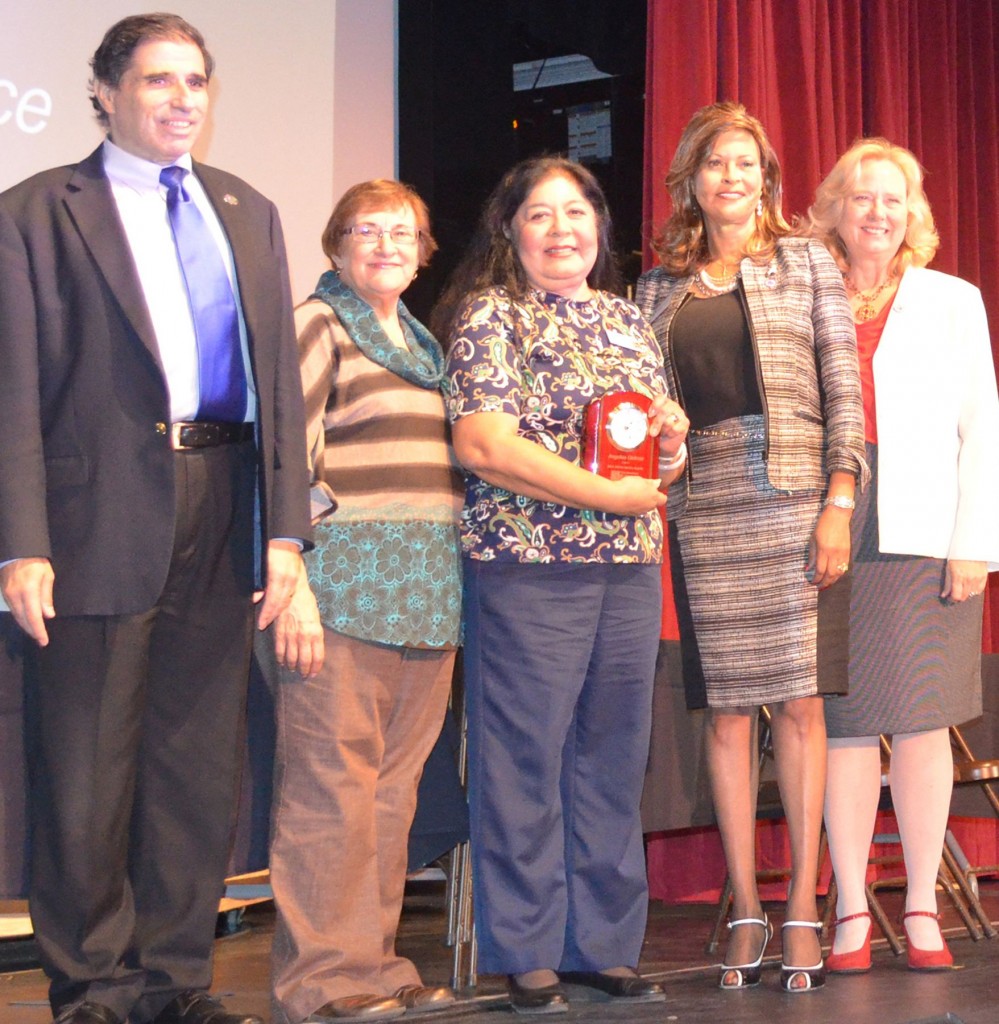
column 820, row 73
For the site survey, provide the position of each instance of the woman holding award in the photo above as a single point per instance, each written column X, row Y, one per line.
column 758, row 334
column 562, row 584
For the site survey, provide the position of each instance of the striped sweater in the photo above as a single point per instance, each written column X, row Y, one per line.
column 386, row 566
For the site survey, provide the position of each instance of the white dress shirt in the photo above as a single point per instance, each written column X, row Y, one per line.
column 141, row 202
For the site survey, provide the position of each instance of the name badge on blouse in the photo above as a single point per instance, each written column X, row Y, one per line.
column 616, row 440
column 626, row 341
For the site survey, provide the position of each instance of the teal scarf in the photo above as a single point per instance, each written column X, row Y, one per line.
column 422, row 365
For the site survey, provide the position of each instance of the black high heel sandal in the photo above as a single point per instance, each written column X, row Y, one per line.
column 796, row 980
column 736, row 976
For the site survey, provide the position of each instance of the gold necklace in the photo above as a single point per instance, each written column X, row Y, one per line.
column 866, row 311
column 728, row 270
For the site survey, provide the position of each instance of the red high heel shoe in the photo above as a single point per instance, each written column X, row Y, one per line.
column 926, row 959
column 857, row 961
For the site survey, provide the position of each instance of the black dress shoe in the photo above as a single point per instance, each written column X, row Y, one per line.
column 87, row 1013
column 545, row 999
column 617, row 986
column 201, row 1008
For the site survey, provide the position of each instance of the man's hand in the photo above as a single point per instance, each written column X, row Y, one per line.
column 284, row 563
column 27, row 588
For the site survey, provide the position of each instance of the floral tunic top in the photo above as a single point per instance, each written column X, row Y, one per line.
column 386, row 566
column 543, row 359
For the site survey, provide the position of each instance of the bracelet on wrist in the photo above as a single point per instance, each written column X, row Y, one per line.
column 840, row 501
column 678, row 459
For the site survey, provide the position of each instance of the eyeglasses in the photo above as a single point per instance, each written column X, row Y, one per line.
column 371, row 234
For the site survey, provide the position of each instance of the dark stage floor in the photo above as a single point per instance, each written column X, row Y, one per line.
column 674, row 954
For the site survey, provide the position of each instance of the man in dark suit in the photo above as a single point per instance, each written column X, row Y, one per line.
column 137, row 529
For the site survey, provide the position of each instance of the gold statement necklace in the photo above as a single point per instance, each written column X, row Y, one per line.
column 866, row 309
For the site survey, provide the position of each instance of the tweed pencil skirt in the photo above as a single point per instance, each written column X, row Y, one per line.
column 915, row 660
column 753, row 630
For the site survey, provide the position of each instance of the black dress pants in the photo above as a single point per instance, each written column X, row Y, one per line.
column 133, row 729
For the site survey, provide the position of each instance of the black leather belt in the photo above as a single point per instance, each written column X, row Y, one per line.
column 184, row 436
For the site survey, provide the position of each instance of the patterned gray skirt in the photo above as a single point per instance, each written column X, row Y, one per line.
column 915, row 661
column 753, row 630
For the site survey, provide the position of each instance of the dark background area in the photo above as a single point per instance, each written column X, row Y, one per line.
column 461, row 124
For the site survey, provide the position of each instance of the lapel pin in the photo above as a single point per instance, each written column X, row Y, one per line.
column 230, row 199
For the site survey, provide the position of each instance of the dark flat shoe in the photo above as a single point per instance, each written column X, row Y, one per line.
column 546, row 999
column 87, row 1013
column 196, row 1007
column 615, row 986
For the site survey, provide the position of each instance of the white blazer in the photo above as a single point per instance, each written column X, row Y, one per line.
column 938, row 423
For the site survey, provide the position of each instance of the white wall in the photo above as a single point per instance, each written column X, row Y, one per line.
column 303, row 97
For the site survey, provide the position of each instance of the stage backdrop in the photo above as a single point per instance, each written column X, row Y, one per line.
column 303, row 106
column 819, row 74
column 303, row 98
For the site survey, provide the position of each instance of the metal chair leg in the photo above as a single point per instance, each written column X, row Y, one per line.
column 724, row 903
column 971, row 900
column 464, row 963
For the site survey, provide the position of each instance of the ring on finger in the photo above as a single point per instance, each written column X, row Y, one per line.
column 843, row 566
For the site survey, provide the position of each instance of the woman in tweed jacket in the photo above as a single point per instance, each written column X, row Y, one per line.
column 758, row 342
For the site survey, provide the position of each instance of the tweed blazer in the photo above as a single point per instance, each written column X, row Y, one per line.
column 806, row 353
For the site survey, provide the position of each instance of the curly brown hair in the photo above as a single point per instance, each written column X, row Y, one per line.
column 682, row 244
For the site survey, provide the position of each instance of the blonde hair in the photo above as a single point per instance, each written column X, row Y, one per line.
column 682, row 244
column 921, row 239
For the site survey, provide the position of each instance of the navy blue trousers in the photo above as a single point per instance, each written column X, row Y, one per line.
column 559, row 668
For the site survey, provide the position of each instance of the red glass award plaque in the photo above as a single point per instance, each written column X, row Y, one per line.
column 616, row 439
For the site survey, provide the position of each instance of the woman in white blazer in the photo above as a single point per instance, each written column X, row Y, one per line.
column 924, row 537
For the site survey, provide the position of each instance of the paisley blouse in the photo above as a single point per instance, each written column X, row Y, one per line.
column 543, row 359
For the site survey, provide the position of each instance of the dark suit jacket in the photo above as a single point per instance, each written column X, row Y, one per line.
column 86, row 471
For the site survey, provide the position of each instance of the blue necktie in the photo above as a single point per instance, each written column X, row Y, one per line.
column 221, row 374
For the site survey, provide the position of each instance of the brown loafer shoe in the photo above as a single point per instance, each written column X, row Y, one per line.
column 358, row 1009
column 424, row 999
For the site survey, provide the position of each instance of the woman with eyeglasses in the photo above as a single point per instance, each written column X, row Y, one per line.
column 353, row 734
